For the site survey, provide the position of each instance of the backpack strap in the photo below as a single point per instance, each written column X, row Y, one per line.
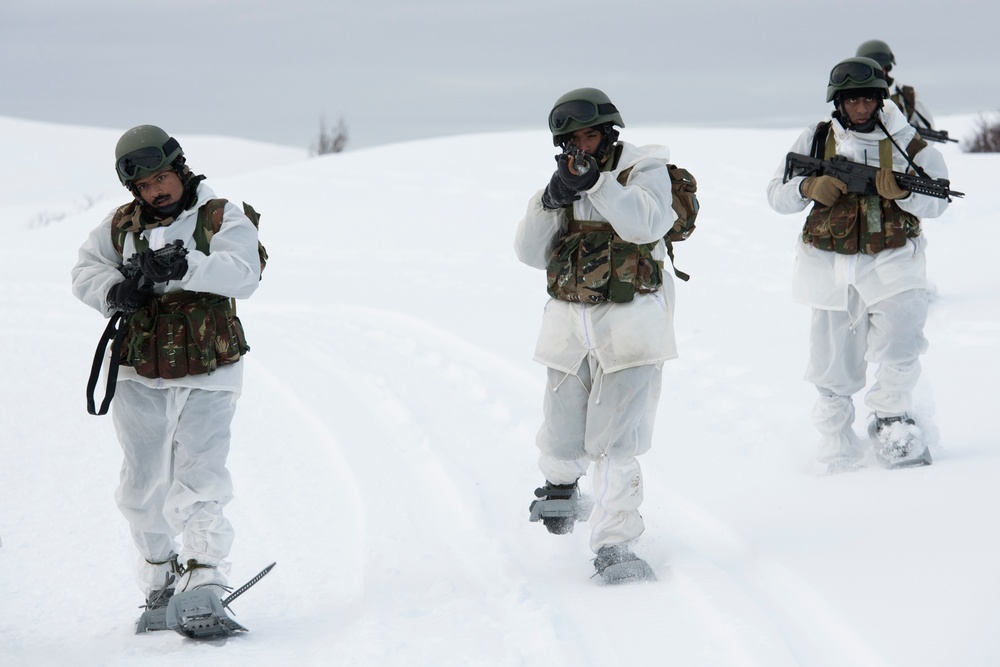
column 119, row 223
column 822, row 137
column 917, row 144
column 623, row 179
column 209, row 223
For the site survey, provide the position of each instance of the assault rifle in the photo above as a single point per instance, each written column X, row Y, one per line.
column 114, row 333
column 934, row 135
column 580, row 164
column 168, row 255
column 860, row 178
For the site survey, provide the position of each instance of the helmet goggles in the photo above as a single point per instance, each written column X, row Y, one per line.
column 856, row 72
column 582, row 111
column 150, row 159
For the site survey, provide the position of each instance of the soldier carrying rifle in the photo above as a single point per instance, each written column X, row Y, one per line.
column 904, row 97
column 860, row 265
column 179, row 351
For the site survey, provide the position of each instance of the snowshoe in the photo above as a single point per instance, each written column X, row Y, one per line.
column 559, row 507
column 154, row 618
column 199, row 614
column 616, row 564
column 900, row 444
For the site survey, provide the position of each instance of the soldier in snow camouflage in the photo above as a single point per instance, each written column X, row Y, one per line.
column 180, row 373
column 598, row 230
column 860, row 265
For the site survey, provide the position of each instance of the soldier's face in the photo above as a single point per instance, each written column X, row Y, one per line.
column 860, row 109
column 160, row 189
column 587, row 140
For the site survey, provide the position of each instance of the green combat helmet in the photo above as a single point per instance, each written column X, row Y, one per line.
column 579, row 109
column 855, row 73
column 142, row 151
column 878, row 51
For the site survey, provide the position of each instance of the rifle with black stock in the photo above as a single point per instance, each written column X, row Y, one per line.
column 860, row 178
column 114, row 332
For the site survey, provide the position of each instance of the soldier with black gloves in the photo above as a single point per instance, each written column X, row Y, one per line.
column 597, row 229
column 180, row 373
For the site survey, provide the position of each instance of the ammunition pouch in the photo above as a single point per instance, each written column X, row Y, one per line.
column 592, row 264
column 183, row 333
column 859, row 224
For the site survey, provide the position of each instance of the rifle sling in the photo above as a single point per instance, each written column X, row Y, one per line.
column 118, row 334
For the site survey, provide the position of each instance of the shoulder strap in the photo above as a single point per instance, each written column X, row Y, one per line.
column 822, row 137
column 623, row 175
column 209, row 223
column 118, row 234
column 917, row 144
column 884, row 153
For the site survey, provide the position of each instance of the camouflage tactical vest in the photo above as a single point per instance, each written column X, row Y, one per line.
column 860, row 223
column 184, row 333
column 592, row 264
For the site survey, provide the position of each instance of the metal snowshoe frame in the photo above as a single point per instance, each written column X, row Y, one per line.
column 558, row 503
column 198, row 614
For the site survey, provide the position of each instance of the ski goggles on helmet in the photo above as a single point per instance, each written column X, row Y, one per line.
column 581, row 111
column 150, row 158
column 859, row 73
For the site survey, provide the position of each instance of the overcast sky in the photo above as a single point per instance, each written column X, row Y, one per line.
column 395, row 70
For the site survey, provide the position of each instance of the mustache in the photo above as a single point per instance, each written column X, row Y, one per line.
column 161, row 200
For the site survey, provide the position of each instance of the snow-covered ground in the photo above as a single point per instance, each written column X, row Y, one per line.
column 383, row 449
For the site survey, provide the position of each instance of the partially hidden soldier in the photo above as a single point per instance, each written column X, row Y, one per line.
column 180, row 371
column 860, row 265
column 905, row 97
column 597, row 229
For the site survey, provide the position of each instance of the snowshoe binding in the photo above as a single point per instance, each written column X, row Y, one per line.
column 616, row 564
column 154, row 618
column 559, row 507
column 899, row 443
column 201, row 614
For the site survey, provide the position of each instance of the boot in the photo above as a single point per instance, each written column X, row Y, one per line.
column 899, row 443
column 558, row 507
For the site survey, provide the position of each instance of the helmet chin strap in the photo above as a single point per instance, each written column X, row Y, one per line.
column 607, row 141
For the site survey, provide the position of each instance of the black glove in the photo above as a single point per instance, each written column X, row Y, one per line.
column 127, row 296
column 564, row 187
column 159, row 270
column 557, row 195
column 577, row 182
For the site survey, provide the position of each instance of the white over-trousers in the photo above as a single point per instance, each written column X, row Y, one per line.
column 607, row 419
column 888, row 333
column 174, row 480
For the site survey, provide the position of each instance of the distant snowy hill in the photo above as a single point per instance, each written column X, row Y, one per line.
column 383, row 448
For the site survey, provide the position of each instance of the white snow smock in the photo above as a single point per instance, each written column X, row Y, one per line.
column 620, row 335
column 232, row 268
column 822, row 278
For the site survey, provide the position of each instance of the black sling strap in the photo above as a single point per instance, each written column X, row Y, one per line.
column 118, row 336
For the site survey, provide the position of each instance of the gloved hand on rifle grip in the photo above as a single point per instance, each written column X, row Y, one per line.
column 159, row 270
column 886, row 185
column 578, row 182
column 127, row 296
column 823, row 189
column 564, row 187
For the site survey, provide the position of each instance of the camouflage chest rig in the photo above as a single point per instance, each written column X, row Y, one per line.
column 592, row 264
column 859, row 223
column 183, row 333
